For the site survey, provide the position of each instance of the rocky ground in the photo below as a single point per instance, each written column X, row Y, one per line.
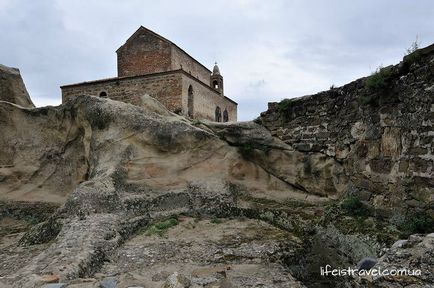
column 99, row 193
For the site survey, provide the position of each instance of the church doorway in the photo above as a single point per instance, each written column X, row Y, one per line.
column 218, row 114
column 225, row 116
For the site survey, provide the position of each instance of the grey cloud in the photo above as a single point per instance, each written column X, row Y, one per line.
column 267, row 50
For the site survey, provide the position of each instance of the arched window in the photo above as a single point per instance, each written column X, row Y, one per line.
column 225, row 116
column 190, row 103
column 215, row 84
column 218, row 114
column 103, row 94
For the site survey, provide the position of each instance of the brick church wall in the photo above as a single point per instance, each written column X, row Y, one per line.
column 150, row 64
column 165, row 87
column 143, row 55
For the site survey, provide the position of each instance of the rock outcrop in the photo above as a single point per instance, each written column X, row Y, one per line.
column 96, row 140
column 114, row 167
column 100, row 193
column 408, row 263
column 12, row 88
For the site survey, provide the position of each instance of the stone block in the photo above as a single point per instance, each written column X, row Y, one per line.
column 420, row 165
column 381, row 165
column 403, row 166
column 109, row 282
column 55, row 285
column 418, row 151
column 391, row 142
column 303, row 147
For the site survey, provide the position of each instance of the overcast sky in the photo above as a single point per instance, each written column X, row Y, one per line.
column 266, row 50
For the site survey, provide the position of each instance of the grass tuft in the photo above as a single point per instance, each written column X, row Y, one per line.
column 216, row 220
column 161, row 228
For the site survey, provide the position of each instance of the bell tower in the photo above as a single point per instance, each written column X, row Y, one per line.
column 216, row 79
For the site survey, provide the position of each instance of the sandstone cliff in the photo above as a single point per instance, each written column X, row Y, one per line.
column 114, row 167
column 98, row 193
column 12, row 88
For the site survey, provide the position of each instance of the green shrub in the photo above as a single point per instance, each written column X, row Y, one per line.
column 167, row 224
column 216, row 220
column 284, row 105
column 419, row 222
column 412, row 58
column 353, row 206
column 371, row 100
column 161, row 227
column 378, row 79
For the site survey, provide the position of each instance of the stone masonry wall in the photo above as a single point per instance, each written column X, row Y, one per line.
column 165, row 87
column 144, row 54
column 206, row 100
column 180, row 60
column 170, row 88
column 381, row 133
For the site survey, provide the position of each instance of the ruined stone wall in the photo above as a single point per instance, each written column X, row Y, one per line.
column 144, row 54
column 381, row 133
column 180, row 60
column 206, row 100
column 165, row 87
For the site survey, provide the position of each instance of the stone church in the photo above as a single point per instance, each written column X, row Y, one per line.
column 150, row 64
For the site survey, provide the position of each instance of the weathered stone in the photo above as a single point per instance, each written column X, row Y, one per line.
column 414, row 203
column 50, row 278
column 363, row 195
column 55, row 285
column 177, row 280
column 358, row 130
column 12, row 88
column 416, row 253
column 418, row 151
column 403, row 166
column 420, row 165
column 110, row 282
column 391, row 142
column 366, row 263
column 380, row 165
column 303, row 147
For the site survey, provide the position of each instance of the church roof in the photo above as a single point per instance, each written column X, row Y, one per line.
column 144, row 29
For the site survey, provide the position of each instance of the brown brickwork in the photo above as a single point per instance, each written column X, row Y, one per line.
column 144, row 53
column 165, row 87
column 150, row 64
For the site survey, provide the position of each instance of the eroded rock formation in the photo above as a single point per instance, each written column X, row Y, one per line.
column 97, row 193
column 12, row 88
column 116, row 167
